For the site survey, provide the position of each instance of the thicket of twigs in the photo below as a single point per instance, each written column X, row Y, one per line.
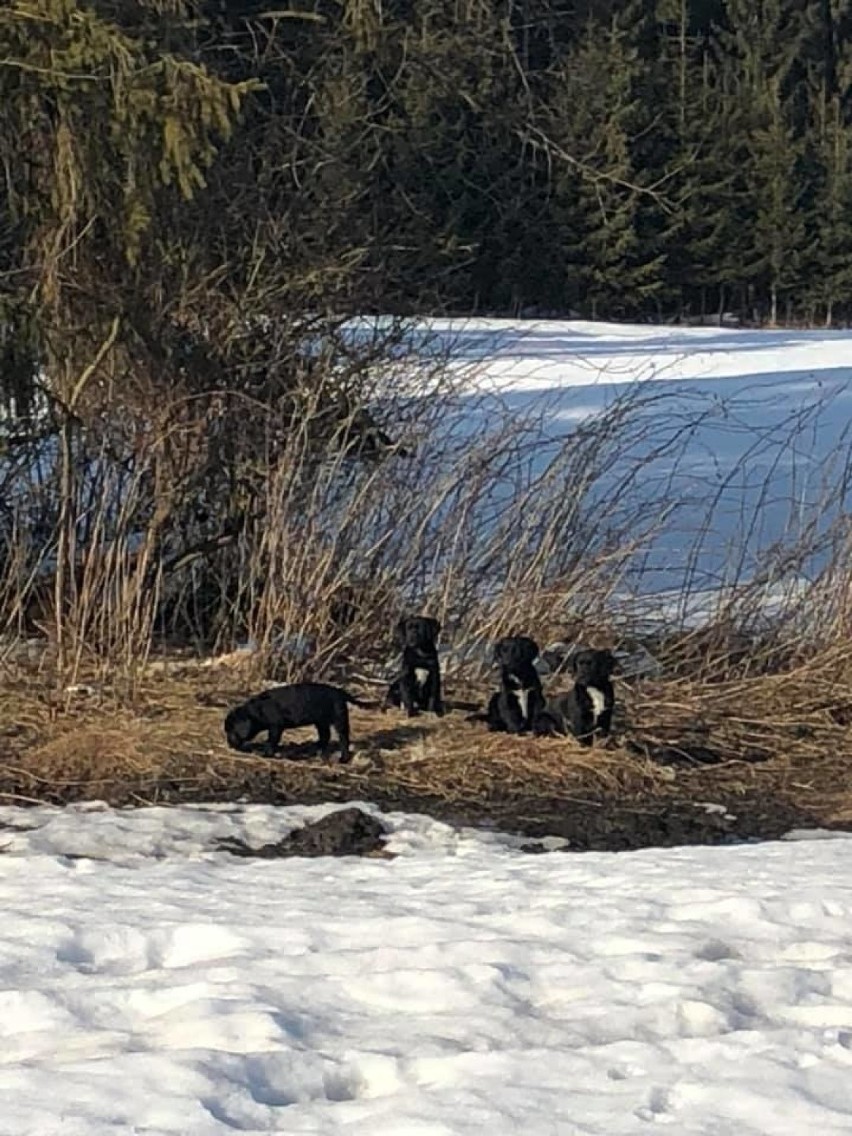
column 370, row 474
column 134, row 544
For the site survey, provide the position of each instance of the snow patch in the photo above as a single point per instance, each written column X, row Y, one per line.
column 462, row 987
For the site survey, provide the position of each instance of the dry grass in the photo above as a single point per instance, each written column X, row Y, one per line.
column 773, row 749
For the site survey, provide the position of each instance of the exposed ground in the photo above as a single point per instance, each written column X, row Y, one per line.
column 690, row 764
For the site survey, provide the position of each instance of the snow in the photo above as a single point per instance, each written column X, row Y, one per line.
column 523, row 355
column 739, row 440
column 151, row 984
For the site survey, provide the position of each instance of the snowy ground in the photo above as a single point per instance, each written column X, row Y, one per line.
column 747, row 437
column 525, row 355
column 155, row 986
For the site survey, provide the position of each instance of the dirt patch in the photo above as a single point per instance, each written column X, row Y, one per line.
column 344, row 832
column 682, row 770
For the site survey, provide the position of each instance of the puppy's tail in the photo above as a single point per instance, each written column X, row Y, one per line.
column 357, row 702
column 549, row 725
column 493, row 724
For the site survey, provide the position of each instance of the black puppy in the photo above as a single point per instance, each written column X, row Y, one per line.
column 515, row 707
column 419, row 684
column 286, row 707
column 585, row 711
column 511, row 711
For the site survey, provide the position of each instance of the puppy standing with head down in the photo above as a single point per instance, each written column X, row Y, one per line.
column 288, row 707
column 418, row 686
column 585, row 711
column 515, row 707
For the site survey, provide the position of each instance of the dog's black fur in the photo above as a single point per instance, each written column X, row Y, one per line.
column 418, row 686
column 505, row 714
column 515, row 707
column 287, row 707
column 585, row 711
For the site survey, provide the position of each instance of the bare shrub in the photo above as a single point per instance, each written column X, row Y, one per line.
column 303, row 496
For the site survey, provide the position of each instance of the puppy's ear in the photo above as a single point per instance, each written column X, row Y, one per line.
column 434, row 626
column 531, row 651
column 399, row 632
column 499, row 648
column 572, row 662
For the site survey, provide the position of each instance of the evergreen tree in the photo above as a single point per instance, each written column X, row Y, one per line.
column 610, row 270
column 779, row 220
column 98, row 122
column 829, row 142
column 759, row 50
column 696, row 222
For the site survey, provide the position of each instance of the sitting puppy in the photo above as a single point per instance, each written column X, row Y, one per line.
column 286, row 707
column 585, row 711
column 515, row 707
column 419, row 684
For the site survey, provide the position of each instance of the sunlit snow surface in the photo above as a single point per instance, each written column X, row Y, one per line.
column 156, row 985
column 744, row 435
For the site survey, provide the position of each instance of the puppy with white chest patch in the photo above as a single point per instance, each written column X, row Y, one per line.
column 515, row 707
column 585, row 711
column 418, row 686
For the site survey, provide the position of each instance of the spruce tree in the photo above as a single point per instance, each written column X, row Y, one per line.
column 99, row 125
column 697, row 221
column 596, row 116
column 779, row 229
column 760, row 48
column 830, row 215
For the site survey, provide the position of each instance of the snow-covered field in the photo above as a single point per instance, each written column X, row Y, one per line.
column 745, row 434
column 152, row 985
column 525, row 355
